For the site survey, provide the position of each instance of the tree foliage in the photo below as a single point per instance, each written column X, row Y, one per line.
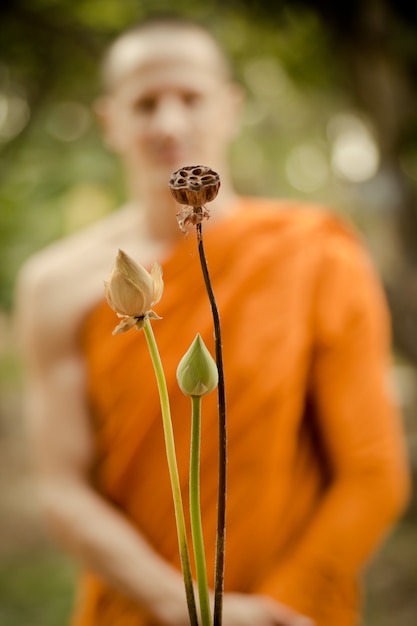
column 301, row 62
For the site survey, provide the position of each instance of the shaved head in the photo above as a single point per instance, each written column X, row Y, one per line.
column 169, row 99
column 140, row 44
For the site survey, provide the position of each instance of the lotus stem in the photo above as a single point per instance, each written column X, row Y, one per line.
column 173, row 471
column 221, row 507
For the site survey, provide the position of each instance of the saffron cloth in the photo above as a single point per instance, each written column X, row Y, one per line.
column 314, row 435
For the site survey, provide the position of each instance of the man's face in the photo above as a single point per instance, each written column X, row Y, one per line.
column 172, row 107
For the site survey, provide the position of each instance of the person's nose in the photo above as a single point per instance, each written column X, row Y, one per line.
column 170, row 119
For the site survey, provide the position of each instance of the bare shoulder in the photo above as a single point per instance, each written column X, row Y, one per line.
column 58, row 285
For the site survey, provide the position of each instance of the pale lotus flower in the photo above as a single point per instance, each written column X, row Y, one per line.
column 131, row 291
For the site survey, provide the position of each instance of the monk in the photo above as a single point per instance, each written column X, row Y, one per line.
column 317, row 472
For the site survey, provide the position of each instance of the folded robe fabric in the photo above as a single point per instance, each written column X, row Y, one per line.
column 314, row 438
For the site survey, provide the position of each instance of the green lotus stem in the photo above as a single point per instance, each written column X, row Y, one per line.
column 173, row 471
column 195, row 513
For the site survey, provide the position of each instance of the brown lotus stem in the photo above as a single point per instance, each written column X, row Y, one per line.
column 221, row 506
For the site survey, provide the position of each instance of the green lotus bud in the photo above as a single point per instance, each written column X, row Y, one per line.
column 197, row 372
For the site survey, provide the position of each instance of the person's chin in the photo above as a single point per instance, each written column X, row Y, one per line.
column 173, row 159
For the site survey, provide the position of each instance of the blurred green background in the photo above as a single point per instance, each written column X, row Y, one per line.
column 330, row 116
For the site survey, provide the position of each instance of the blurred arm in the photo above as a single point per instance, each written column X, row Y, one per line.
column 63, row 444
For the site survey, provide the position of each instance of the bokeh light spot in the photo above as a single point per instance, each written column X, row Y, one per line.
column 354, row 152
column 306, row 168
column 68, row 121
column 14, row 115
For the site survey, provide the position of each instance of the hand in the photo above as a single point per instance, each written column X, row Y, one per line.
column 239, row 609
column 256, row 610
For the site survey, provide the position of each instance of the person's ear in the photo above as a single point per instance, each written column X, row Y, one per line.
column 102, row 109
column 236, row 98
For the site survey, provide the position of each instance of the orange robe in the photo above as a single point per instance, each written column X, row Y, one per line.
column 314, row 440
